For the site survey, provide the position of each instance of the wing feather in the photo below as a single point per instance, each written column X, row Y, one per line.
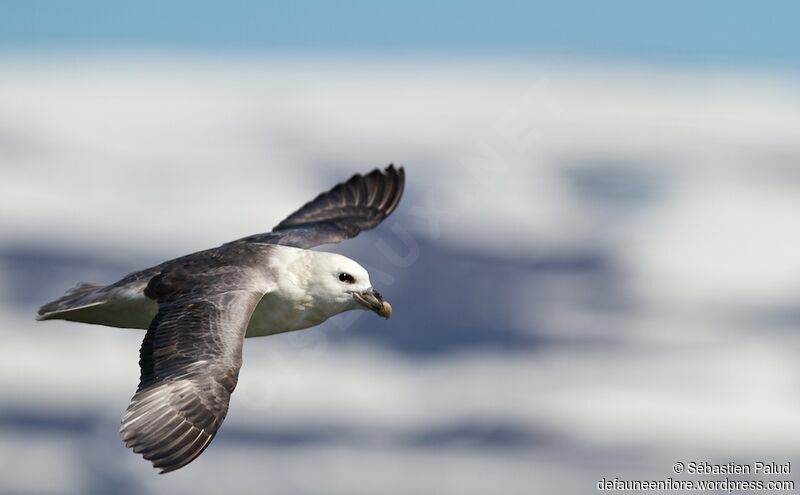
column 360, row 203
column 192, row 352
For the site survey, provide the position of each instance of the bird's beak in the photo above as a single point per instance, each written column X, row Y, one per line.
column 372, row 300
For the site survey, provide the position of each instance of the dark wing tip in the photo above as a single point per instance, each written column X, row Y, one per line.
column 365, row 199
column 168, row 430
column 361, row 202
column 173, row 452
column 384, row 189
column 399, row 175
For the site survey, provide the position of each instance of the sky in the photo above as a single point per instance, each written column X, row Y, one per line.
column 720, row 32
column 593, row 269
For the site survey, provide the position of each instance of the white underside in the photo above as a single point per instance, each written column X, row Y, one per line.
column 272, row 315
column 287, row 305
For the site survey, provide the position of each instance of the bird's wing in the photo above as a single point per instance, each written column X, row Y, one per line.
column 192, row 352
column 359, row 204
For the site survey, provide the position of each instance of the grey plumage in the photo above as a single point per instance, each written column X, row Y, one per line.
column 359, row 204
column 82, row 295
column 202, row 305
column 192, row 352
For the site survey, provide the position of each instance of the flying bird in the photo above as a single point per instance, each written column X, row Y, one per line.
column 198, row 309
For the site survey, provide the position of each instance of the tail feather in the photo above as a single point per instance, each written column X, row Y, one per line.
column 115, row 305
column 81, row 296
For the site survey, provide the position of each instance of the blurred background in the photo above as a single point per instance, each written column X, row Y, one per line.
column 595, row 267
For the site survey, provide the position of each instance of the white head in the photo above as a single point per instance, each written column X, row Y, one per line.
column 343, row 284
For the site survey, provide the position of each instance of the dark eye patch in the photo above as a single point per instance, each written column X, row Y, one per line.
column 346, row 277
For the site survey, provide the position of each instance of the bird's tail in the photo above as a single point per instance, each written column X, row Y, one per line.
column 82, row 296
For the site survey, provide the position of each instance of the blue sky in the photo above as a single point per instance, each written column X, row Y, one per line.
column 718, row 32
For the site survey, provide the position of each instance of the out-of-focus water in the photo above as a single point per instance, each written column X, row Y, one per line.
column 594, row 269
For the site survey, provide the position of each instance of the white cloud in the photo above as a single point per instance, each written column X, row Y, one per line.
column 684, row 179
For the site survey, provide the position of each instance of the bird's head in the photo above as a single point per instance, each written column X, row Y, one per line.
column 345, row 284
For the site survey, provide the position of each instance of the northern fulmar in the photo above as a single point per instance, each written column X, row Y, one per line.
column 198, row 309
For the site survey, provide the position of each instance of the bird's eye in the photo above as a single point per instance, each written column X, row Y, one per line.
column 346, row 277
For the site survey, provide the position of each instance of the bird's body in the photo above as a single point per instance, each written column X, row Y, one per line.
column 290, row 304
column 198, row 309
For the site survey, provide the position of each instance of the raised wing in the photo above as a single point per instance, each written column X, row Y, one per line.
column 192, row 352
column 359, row 204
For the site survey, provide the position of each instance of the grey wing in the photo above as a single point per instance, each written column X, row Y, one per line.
column 361, row 203
column 190, row 360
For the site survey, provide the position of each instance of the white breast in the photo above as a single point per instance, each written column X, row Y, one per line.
column 288, row 306
column 277, row 314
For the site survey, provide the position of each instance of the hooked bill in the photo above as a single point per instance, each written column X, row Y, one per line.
column 386, row 310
